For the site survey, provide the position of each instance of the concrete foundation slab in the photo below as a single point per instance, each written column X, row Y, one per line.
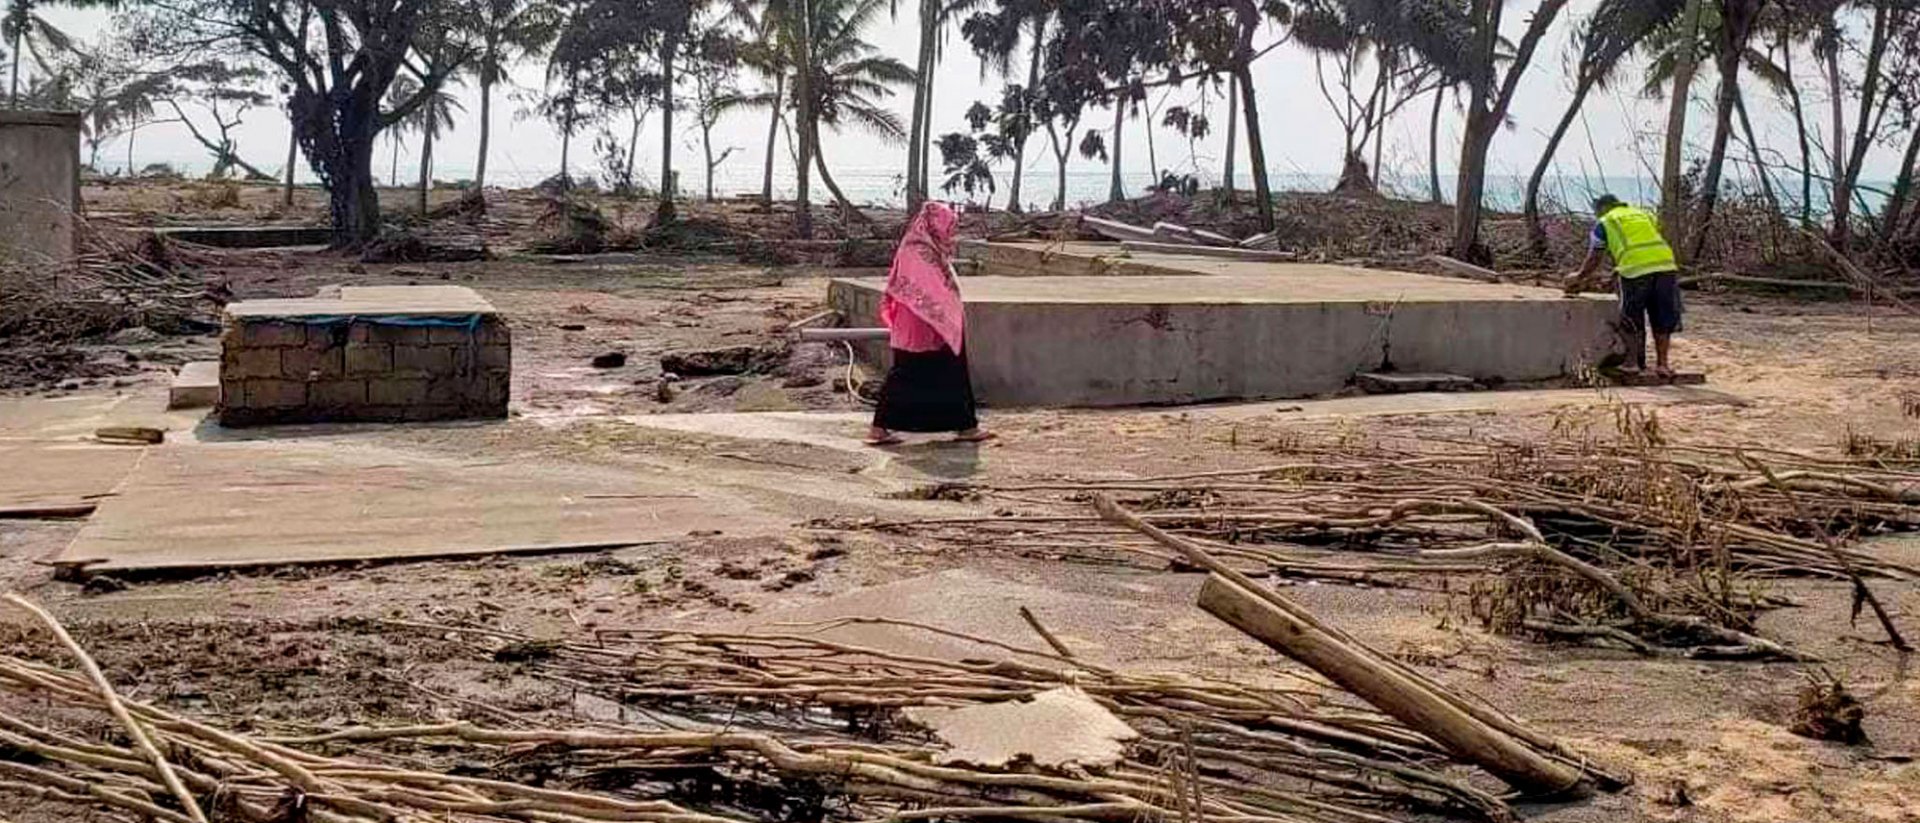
column 59, row 474
column 197, row 386
column 39, row 185
column 1248, row 331
column 268, row 502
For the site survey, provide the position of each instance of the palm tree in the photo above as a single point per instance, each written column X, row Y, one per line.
column 771, row 63
column 1614, row 30
column 508, row 30
column 431, row 119
column 934, row 15
column 29, row 33
column 851, row 79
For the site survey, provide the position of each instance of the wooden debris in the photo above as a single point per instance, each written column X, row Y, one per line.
column 1116, row 230
column 1267, row 240
column 1208, row 251
column 1461, row 268
column 143, row 435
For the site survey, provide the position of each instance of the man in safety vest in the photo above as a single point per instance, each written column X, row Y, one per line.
column 1649, row 285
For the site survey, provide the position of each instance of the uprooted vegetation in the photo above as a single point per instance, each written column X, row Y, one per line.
column 1629, row 540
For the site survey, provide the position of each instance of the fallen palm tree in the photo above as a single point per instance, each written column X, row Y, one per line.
column 729, row 727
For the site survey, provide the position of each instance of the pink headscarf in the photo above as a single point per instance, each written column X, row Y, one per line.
column 921, row 280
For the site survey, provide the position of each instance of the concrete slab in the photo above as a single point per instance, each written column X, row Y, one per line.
column 229, row 505
column 61, row 474
column 1248, row 331
column 369, row 300
column 197, row 386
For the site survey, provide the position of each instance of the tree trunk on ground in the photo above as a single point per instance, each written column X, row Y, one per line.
column 773, row 139
column 1735, row 25
column 486, row 131
column 1537, row 234
column 1115, row 191
column 1672, row 211
column 1863, row 127
column 1433, row 145
column 1256, row 148
column 1233, row 134
column 922, row 101
column 426, row 168
column 669, row 55
column 1026, row 108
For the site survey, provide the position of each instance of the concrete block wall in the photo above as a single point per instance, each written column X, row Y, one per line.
column 278, row 370
column 39, row 185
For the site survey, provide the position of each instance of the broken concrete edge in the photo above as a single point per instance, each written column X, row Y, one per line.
column 23, row 117
column 80, row 569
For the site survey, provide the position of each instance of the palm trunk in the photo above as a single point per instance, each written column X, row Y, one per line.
column 669, row 54
column 1385, row 87
column 1482, row 121
column 773, row 139
column 1026, row 117
column 1836, row 103
column 426, row 168
column 1536, row 234
column 1800, row 128
column 1153, row 159
column 633, row 144
column 833, row 186
column 706, row 151
column 1753, row 149
column 922, row 101
column 1433, row 145
column 803, row 36
column 1672, row 211
column 486, row 131
column 1734, row 28
column 130, row 133
column 1863, row 127
column 1892, row 219
column 1233, row 134
column 393, row 165
column 293, row 155
column 1115, row 191
column 13, row 92
column 1256, row 147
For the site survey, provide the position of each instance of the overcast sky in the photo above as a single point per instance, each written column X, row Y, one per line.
column 1619, row 134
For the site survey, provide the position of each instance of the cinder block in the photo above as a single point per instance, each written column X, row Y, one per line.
column 270, row 333
column 422, row 360
column 335, row 393
column 247, row 363
column 397, row 391
column 499, row 389
column 493, row 332
column 454, row 390
column 365, row 332
column 311, row 363
column 196, row 386
column 268, row 393
column 494, row 357
column 451, row 334
column 368, row 358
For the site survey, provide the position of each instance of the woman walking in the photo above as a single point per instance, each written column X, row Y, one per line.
column 928, row 389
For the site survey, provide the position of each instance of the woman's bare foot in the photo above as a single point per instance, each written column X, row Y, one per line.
column 877, row 436
column 974, row 436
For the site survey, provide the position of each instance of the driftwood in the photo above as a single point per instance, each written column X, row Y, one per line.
column 1862, row 281
column 1293, row 631
column 1116, row 230
column 1229, row 253
column 1462, row 268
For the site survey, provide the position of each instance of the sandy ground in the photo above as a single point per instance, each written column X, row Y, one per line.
column 280, row 645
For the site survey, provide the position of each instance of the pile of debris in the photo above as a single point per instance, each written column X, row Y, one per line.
column 1632, row 542
column 717, row 727
column 117, row 283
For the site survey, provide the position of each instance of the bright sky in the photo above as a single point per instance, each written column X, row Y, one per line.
column 1618, row 138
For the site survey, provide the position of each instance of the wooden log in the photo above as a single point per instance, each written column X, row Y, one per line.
column 130, row 434
column 54, row 511
column 1407, row 701
column 1462, row 268
column 1266, row 240
column 1208, row 251
column 1174, row 233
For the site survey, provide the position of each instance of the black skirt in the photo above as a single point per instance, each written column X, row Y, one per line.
column 927, row 391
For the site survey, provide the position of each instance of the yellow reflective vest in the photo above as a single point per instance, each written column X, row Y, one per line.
column 1634, row 242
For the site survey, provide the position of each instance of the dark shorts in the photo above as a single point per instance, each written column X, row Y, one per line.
column 1651, row 300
